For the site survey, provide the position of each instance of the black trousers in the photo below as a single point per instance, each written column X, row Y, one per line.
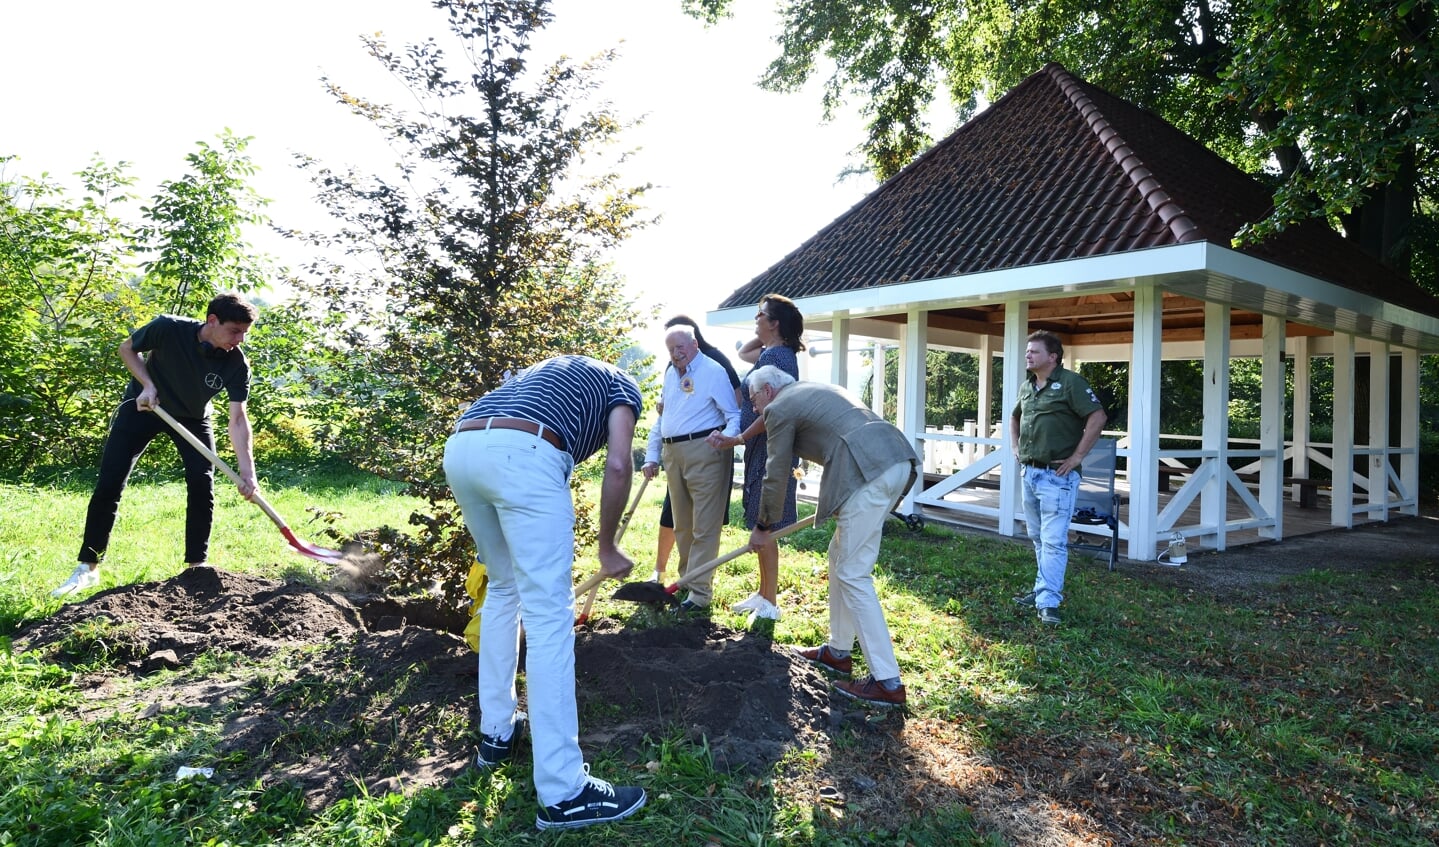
column 130, row 433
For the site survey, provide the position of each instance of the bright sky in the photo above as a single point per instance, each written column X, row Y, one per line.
column 740, row 176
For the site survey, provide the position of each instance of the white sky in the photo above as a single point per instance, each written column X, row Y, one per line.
column 740, row 176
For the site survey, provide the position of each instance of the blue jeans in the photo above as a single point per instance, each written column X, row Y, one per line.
column 1048, row 507
column 514, row 493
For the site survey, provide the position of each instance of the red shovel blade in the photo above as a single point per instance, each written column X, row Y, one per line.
column 323, row 554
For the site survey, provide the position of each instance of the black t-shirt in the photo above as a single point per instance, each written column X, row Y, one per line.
column 186, row 372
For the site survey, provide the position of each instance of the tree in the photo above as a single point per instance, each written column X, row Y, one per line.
column 66, row 293
column 74, row 282
column 481, row 254
column 1334, row 99
column 194, row 229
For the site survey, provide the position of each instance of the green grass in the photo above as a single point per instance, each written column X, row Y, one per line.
column 1308, row 715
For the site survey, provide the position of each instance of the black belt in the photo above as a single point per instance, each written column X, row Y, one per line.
column 536, row 429
column 1045, row 465
column 691, row 437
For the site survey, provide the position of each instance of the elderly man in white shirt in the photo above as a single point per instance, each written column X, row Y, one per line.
column 697, row 399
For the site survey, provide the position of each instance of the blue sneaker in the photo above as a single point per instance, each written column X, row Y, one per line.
column 597, row 802
column 495, row 751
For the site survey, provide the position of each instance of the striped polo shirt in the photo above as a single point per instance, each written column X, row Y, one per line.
column 572, row 395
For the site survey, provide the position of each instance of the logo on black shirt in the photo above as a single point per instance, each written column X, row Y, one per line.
column 214, row 381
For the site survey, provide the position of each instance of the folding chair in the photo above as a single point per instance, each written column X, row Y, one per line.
column 1097, row 504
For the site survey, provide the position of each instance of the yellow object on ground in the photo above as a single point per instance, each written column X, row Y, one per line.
column 476, row 582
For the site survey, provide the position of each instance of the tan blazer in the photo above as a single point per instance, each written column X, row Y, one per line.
column 824, row 424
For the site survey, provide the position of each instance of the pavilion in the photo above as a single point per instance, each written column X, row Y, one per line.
column 1062, row 207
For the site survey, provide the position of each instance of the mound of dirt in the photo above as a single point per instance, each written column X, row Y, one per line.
column 367, row 685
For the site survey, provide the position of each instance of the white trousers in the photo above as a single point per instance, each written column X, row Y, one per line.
column 513, row 490
column 854, row 610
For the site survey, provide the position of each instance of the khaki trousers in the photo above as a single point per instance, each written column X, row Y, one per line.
column 699, row 479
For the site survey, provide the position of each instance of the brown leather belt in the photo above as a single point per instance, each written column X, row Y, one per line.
column 513, row 423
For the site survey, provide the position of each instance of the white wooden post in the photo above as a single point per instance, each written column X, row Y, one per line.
column 913, row 343
column 1302, row 407
column 1341, row 508
column 1409, row 427
column 984, row 421
column 1271, row 425
column 1144, row 424
column 876, row 391
column 839, row 349
column 1016, row 329
column 1378, row 495
column 1213, row 501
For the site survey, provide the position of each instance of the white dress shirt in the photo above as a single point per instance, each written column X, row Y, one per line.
column 699, row 400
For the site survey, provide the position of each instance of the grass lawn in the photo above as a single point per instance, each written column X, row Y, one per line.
column 1155, row 715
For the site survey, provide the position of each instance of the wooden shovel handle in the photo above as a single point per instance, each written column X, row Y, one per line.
column 706, row 569
column 619, row 534
column 219, row 464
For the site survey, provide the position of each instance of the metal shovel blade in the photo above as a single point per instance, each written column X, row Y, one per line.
column 647, row 592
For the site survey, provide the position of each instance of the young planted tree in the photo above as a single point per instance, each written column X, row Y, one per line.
column 480, row 253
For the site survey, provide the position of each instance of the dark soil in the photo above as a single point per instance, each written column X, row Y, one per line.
column 381, row 678
column 381, row 692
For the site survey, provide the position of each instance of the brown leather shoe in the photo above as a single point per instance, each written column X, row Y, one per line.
column 870, row 691
column 826, row 659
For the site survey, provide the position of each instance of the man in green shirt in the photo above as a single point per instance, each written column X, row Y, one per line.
column 1054, row 425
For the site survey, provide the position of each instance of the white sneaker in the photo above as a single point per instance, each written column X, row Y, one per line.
column 81, row 578
column 749, row 604
column 763, row 610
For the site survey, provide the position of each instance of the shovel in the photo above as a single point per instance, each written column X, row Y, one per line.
column 620, row 533
column 333, row 557
column 653, row 592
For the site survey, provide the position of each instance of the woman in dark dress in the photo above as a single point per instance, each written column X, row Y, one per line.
column 778, row 327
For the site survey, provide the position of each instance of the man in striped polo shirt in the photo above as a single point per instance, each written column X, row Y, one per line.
column 508, row 464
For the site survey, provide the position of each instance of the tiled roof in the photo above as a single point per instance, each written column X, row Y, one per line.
column 1057, row 169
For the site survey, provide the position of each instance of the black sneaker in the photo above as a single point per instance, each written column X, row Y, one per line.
column 1049, row 616
column 1025, row 599
column 494, row 752
column 597, row 802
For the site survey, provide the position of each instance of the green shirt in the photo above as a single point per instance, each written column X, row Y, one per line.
column 1051, row 419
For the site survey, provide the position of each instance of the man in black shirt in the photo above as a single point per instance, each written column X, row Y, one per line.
column 185, row 363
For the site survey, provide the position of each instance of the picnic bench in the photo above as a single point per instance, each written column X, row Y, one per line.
column 1308, row 488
